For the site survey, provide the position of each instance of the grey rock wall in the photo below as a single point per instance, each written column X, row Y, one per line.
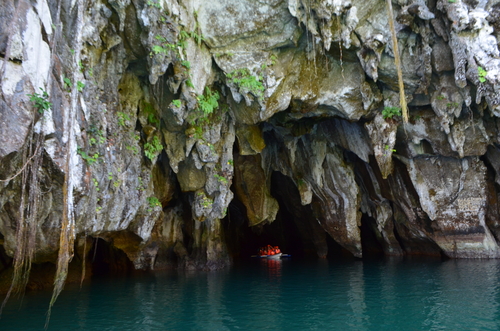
column 172, row 111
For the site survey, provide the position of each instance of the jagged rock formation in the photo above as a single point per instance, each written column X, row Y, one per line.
column 177, row 125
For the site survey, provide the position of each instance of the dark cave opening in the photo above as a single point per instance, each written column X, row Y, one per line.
column 295, row 230
column 370, row 243
column 105, row 259
column 5, row 260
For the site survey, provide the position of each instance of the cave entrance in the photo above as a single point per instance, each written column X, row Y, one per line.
column 106, row 259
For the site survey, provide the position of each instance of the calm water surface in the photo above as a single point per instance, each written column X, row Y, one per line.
column 280, row 295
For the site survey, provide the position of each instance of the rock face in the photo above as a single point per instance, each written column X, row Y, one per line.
column 158, row 126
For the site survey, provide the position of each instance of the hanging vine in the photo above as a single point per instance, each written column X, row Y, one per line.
column 26, row 224
column 68, row 233
column 397, row 60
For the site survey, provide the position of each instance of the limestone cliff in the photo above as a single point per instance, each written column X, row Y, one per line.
column 167, row 128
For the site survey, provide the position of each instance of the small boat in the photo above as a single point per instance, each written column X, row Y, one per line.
column 270, row 252
column 275, row 256
column 272, row 257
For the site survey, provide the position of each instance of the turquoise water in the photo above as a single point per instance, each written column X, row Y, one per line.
column 280, row 295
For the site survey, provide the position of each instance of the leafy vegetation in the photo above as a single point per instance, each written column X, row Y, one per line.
column 389, row 112
column 247, row 82
column 388, row 148
column 482, row 74
column 150, row 112
column 205, row 201
column 97, row 135
column 40, row 101
column 153, row 202
column 122, row 117
column 176, row 103
column 221, row 179
column 151, row 149
column 273, row 59
column 67, row 83
column 141, row 186
column 208, row 102
column 80, row 86
column 189, row 83
column 90, row 159
column 154, row 3
column 96, row 184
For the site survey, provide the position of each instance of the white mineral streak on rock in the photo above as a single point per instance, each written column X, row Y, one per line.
column 36, row 63
column 43, row 11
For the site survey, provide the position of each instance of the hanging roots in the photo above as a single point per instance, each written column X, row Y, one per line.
column 67, row 236
column 27, row 220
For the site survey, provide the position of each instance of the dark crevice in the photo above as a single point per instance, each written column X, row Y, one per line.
column 107, row 259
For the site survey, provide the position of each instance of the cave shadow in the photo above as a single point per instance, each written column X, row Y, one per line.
column 107, row 260
column 295, row 230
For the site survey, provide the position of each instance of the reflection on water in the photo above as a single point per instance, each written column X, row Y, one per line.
column 265, row 294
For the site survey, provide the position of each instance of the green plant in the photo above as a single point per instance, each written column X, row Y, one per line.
column 183, row 35
column 247, row 82
column 206, row 202
column 41, row 101
column 221, row 179
column 389, row 112
column 151, row 149
column 482, row 74
column 149, row 110
column 153, row 202
column 122, row 117
column 186, row 64
column 387, row 148
column 452, row 104
column 176, row 103
column 452, row 1
column 198, row 38
column 141, row 184
column 230, row 162
column 117, row 183
column 440, row 97
column 208, row 102
column 189, row 83
column 154, row 3
column 67, row 83
column 273, row 59
column 96, row 184
column 133, row 149
column 80, row 86
column 97, row 135
column 89, row 159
